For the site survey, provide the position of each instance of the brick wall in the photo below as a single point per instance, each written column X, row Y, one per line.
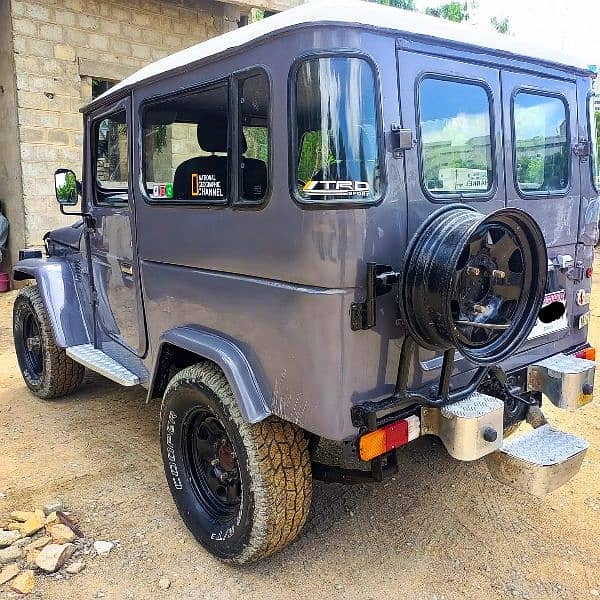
column 59, row 45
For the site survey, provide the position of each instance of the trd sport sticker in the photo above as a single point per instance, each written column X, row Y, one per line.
column 344, row 189
column 207, row 186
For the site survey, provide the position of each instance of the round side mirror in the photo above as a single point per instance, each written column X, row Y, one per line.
column 65, row 186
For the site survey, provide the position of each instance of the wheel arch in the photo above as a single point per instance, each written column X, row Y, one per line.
column 56, row 284
column 185, row 345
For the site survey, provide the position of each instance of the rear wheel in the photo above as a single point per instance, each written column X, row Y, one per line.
column 243, row 490
column 47, row 370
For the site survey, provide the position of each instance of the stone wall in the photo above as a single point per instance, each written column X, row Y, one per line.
column 59, row 46
column 10, row 167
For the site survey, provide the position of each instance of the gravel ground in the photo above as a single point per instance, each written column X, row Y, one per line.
column 439, row 530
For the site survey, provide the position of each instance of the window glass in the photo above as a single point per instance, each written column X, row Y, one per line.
column 336, row 129
column 541, row 143
column 253, row 95
column 186, row 147
column 112, row 165
column 595, row 139
column 456, row 137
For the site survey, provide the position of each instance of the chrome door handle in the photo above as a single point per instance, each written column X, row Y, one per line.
column 127, row 269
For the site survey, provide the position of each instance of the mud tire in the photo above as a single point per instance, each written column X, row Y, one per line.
column 57, row 375
column 273, row 462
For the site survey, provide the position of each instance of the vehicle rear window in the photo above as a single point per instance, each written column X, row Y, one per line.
column 112, row 157
column 595, row 139
column 541, row 143
column 455, row 137
column 337, row 148
column 186, row 147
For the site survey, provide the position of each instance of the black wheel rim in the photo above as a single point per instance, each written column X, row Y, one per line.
column 212, row 466
column 488, row 285
column 30, row 345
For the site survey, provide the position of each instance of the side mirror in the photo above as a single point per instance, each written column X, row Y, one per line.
column 66, row 187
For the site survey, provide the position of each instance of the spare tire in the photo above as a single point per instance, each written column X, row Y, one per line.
column 474, row 282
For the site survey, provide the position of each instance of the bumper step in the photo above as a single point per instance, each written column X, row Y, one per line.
column 539, row 461
column 100, row 362
column 567, row 381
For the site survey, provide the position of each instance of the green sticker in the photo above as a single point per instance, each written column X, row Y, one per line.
column 169, row 190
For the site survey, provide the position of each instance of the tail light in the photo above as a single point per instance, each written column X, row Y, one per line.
column 390, row 437
column 587, row 353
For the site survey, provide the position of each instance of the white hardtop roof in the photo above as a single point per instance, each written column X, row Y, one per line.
column 351, row 12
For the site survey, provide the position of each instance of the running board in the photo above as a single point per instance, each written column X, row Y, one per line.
column 98, row 361
column 539, row 461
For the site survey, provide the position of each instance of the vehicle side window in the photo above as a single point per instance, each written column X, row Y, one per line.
column 455, row 137
column 254, row 138
column 186, row 147
column 337, row 143
column 112, row 158
column 541, row 143
column 595, row 138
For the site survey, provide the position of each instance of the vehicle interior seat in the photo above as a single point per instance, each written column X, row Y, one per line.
column 213, row 137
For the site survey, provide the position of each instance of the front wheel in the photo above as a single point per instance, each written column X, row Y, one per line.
column 47, row 370
column 243, row 490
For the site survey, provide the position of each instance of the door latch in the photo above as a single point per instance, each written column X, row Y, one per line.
column 402, row 139
column 583, row 149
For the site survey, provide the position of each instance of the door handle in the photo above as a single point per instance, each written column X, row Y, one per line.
column 127, row 269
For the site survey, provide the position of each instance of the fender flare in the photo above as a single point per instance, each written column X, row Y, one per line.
column 248, row 391
column 56, row 283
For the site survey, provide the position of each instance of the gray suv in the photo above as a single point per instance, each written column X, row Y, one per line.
column 346, row 227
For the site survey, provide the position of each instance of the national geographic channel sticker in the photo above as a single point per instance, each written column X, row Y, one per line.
column 206, row 186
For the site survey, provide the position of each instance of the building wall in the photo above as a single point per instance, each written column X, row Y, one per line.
column 59, row 46
column 10, row 164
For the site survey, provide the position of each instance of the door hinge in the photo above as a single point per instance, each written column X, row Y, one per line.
column 583, row 149
column 380, row 279
column 402, row 139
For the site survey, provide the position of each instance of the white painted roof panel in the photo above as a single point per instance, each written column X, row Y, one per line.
column 352, row 12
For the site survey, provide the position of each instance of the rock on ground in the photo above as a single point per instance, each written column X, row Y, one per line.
column 21, row 515
column 164, row 583
column 8, row 537
column 8, row 573
column 75, row 568
column 23, row 583
column 61, row 534
column 39, row 543
column 102, row 548
column 54, row 556
column 53, row 506
column 10, row 555
column 34, row 523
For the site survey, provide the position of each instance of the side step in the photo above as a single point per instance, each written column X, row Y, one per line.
column 98, row 361
column 539, row 461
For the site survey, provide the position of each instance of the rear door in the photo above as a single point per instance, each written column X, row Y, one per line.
column 454, row 108
column 543, row 179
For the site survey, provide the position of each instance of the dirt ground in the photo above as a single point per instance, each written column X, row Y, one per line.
column 440, row 530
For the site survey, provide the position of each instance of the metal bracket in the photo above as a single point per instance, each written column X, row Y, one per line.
column 403, row 139
column 380, row 279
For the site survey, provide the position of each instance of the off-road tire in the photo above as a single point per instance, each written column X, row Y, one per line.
column 273, row 462
column 60, row 375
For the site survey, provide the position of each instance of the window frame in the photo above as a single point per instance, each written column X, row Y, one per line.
column 454, row 196
column 119, row 200
column 532, row 91
column 229, row 81
column 238, row 202
column 293, row 153
column 593, row 142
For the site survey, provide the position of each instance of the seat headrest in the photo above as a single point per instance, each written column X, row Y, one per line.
column 212, row 134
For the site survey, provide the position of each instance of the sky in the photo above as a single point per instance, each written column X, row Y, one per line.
column 570, row 25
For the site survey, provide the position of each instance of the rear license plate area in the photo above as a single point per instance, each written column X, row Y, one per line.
column 540, row 329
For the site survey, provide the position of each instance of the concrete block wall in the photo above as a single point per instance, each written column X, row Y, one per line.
column 59, row 46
